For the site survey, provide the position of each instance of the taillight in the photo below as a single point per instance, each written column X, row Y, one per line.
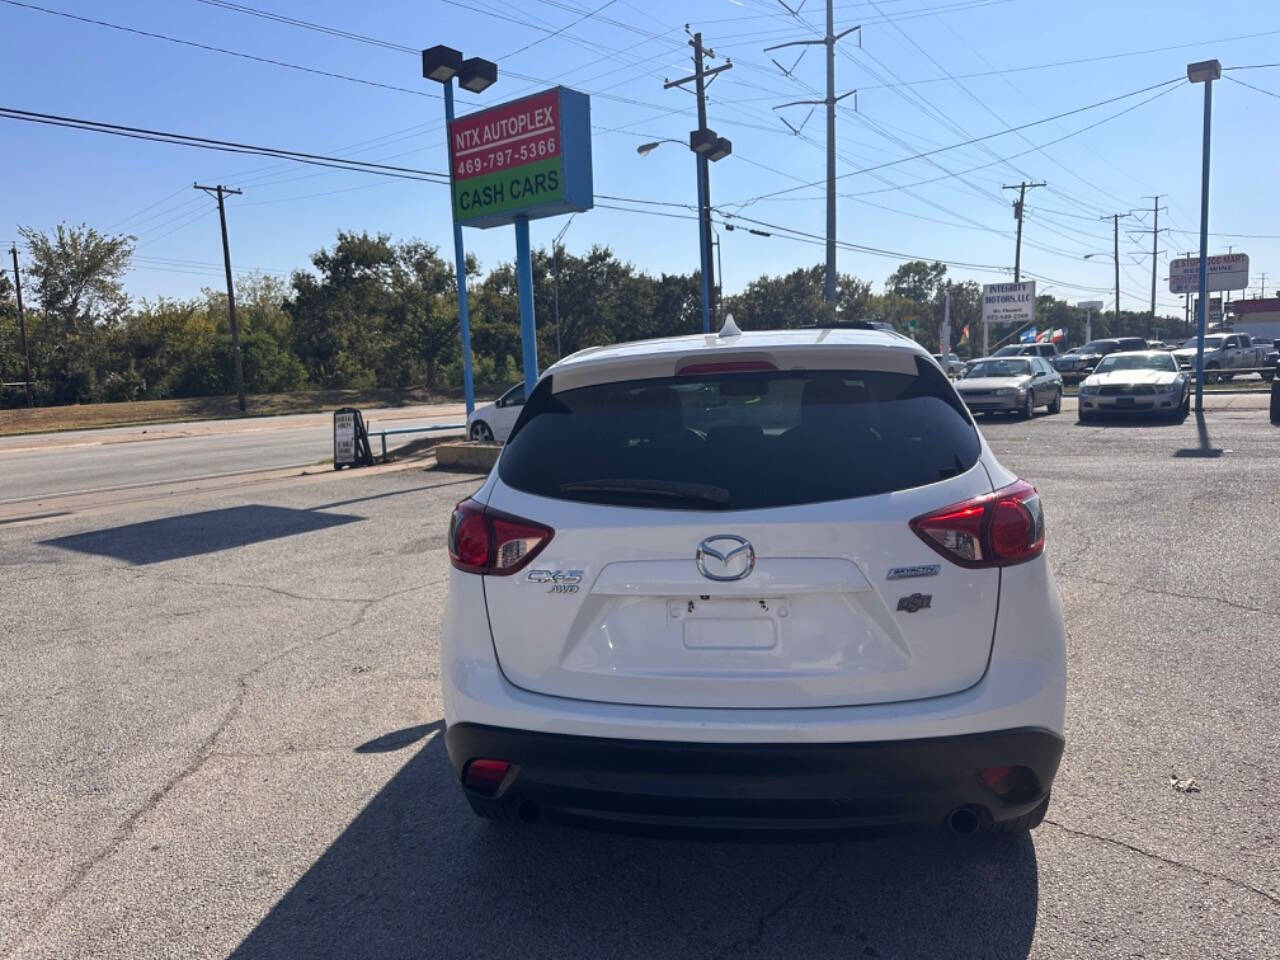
column 493, row 543
column 994, row 530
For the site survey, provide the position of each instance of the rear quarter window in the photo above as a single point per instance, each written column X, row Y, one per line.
column 741, row 441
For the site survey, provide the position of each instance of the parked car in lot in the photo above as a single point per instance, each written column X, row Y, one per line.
column 1223, row 353
column 1082, row 361
column 1046, row 350
column 1129, row 383
column 951, row 364
column 493, row 421
column 1011, row 385
column 770, row 580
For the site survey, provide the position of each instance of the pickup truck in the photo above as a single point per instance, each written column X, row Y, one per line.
column 1223, row 353
column 1046, row 350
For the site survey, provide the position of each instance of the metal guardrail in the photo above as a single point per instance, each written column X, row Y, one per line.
column 395, row 431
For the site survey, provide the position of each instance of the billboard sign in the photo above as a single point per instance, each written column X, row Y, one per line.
column 1091, row 304
column 527, row 158
column 1009, row 302
column 1227, row 272
column 1215, row 310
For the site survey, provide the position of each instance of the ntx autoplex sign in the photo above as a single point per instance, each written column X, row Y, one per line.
column 527, row 158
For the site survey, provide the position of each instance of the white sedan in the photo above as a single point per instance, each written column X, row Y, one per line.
column 493, row 421
column 1147, row 381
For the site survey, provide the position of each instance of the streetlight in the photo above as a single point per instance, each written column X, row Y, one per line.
column 1206, row 71
column 707, row 145
column 442, row 64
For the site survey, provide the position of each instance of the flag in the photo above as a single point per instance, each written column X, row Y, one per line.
column 1043, row 336
column 964, row 333
column 1059, row 335
column 1028, row 336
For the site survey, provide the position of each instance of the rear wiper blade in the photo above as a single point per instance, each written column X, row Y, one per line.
column 672, row 489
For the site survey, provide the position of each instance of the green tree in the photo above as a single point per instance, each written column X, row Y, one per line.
column 917, row 281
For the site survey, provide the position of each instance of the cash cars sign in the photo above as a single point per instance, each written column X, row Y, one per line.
column 527, row 158
column 1009, row 302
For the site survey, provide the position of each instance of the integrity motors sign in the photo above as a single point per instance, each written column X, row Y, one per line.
column 1009, row 302
column 527, row 158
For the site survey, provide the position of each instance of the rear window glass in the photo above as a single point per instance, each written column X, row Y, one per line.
column 741, row 441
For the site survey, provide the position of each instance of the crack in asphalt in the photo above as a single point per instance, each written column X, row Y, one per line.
column 1178, row 864
column 1171, row 593
column 762, row 921
column 202, row 754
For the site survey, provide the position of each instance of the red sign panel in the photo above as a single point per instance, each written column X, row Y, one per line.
column 512, row 135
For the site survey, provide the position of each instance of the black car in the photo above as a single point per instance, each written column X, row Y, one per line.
column 1082, row 362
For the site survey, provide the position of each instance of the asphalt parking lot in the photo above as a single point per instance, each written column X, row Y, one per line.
column 222, row 738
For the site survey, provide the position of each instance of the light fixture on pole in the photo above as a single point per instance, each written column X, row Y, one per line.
column 442, row 64
column 1206, row 71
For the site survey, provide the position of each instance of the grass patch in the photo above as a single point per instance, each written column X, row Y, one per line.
column 98, row 415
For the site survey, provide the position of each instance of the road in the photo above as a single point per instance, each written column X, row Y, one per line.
column 222, row 733
column 46, row 466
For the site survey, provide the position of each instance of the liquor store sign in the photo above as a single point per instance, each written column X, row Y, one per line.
column 527, row 158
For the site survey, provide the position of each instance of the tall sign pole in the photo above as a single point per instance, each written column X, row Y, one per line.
column 1204, row 72
column 22, row 327
column 460, row 268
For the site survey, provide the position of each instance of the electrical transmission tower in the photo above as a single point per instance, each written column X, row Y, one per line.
column 828, row 40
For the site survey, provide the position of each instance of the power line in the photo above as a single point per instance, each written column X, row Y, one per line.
column 556, row 33
column 226, row 146
column 223, row 50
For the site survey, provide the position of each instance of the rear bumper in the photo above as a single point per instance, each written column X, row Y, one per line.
column 774, row 787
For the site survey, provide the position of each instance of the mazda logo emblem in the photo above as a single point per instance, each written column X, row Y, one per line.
column 725, row 557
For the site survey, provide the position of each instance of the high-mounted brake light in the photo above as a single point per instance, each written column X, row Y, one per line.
column 996, row 529
column 493, row 543
column 726, row 366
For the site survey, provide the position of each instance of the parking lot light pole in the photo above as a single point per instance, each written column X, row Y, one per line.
column 442, row 64
column 1206, row 71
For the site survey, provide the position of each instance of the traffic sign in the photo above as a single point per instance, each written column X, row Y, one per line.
column 527, row 158
column 1230, row 271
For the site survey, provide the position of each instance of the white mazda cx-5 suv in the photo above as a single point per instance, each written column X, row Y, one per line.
column 769, row 580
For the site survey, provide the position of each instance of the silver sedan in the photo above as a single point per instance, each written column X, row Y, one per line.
column 1011, row 385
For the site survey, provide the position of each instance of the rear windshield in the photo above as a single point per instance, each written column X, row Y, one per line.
column 741, row 441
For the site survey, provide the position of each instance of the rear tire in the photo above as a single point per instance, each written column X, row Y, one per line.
column 1055, row 405
column 1028, row 821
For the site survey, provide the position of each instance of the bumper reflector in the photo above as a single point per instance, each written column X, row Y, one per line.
column 485, row 776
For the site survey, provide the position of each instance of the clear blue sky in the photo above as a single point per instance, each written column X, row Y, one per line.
column 620, row 56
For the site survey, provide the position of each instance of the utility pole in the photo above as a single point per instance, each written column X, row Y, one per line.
column 707, row 146
column 829, row 40
column 1115, row 221
column 22, row 327
column 1018, row 206
column 555, row 279
column 1155, row 258
column 220, row 191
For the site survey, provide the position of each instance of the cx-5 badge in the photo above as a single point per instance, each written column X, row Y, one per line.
column 725, row 557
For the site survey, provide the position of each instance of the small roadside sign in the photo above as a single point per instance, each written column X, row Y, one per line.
column 350, row 439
